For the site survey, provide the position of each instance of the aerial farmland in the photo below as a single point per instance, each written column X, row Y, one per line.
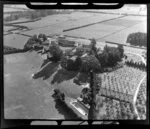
column 32, row 78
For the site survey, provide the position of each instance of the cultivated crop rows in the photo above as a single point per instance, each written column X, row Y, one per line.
column 141, row 100
column 121, row 84
column 110, row 109
column 117, row 95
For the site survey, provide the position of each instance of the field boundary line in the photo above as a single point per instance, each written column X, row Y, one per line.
column 74, row 28
column 28, row 21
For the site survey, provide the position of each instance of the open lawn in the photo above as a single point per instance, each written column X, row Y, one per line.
column 8, row 28
column 31, row 98
column 95, row 31
column 58, row 23
column 121, row 36
column 14, row 40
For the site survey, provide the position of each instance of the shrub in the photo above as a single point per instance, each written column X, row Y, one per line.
column 86, row 95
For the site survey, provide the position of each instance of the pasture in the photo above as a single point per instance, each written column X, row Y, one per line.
column 15, row 40
column 121, row 36
column 31, row 98
column 95, row 31
column 64, row 22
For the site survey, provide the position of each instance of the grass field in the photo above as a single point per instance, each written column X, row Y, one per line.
column 115, row 30
column 28, row 98
column 6, row 10
column 58, row 23
column 70, row 20
column 18, row 20
column 95, row 31
column 121, row 36
column 8, row 28
column 15, row 40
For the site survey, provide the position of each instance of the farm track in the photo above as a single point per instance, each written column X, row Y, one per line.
column 135, row 96
column 137, row 90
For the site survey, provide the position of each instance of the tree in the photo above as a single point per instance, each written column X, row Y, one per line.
column 71, row 63
column 59, row 95
column 110, row 56
column 32, row 41
column 86, row 95
column 137, row 39
column 55, row 51
column 89, row 63
column 43, row 36
column 92, row 115
column 121, row 50
column 93, row 46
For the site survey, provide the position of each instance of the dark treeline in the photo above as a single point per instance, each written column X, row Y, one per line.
column 139, row 65
column 11, row 50
column 33, row 14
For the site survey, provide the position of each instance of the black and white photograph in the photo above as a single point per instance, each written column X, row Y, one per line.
column 75, row 64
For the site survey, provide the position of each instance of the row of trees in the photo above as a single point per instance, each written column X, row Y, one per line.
column 10, row 50
column 30, row 14
column 137, row 39
column 139, row 65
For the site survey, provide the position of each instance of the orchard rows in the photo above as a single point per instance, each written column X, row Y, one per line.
column 141, row 100
column 121, row 84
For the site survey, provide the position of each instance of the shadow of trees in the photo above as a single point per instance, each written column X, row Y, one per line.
column 64, row 110
column 81, row 78
column 46, row 71
column 45, row 62
column 63, row 75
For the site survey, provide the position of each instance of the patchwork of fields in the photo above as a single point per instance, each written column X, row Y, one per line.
column 102, row 27
column 120, row 84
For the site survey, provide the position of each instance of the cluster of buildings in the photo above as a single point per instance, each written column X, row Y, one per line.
column 63, row 42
